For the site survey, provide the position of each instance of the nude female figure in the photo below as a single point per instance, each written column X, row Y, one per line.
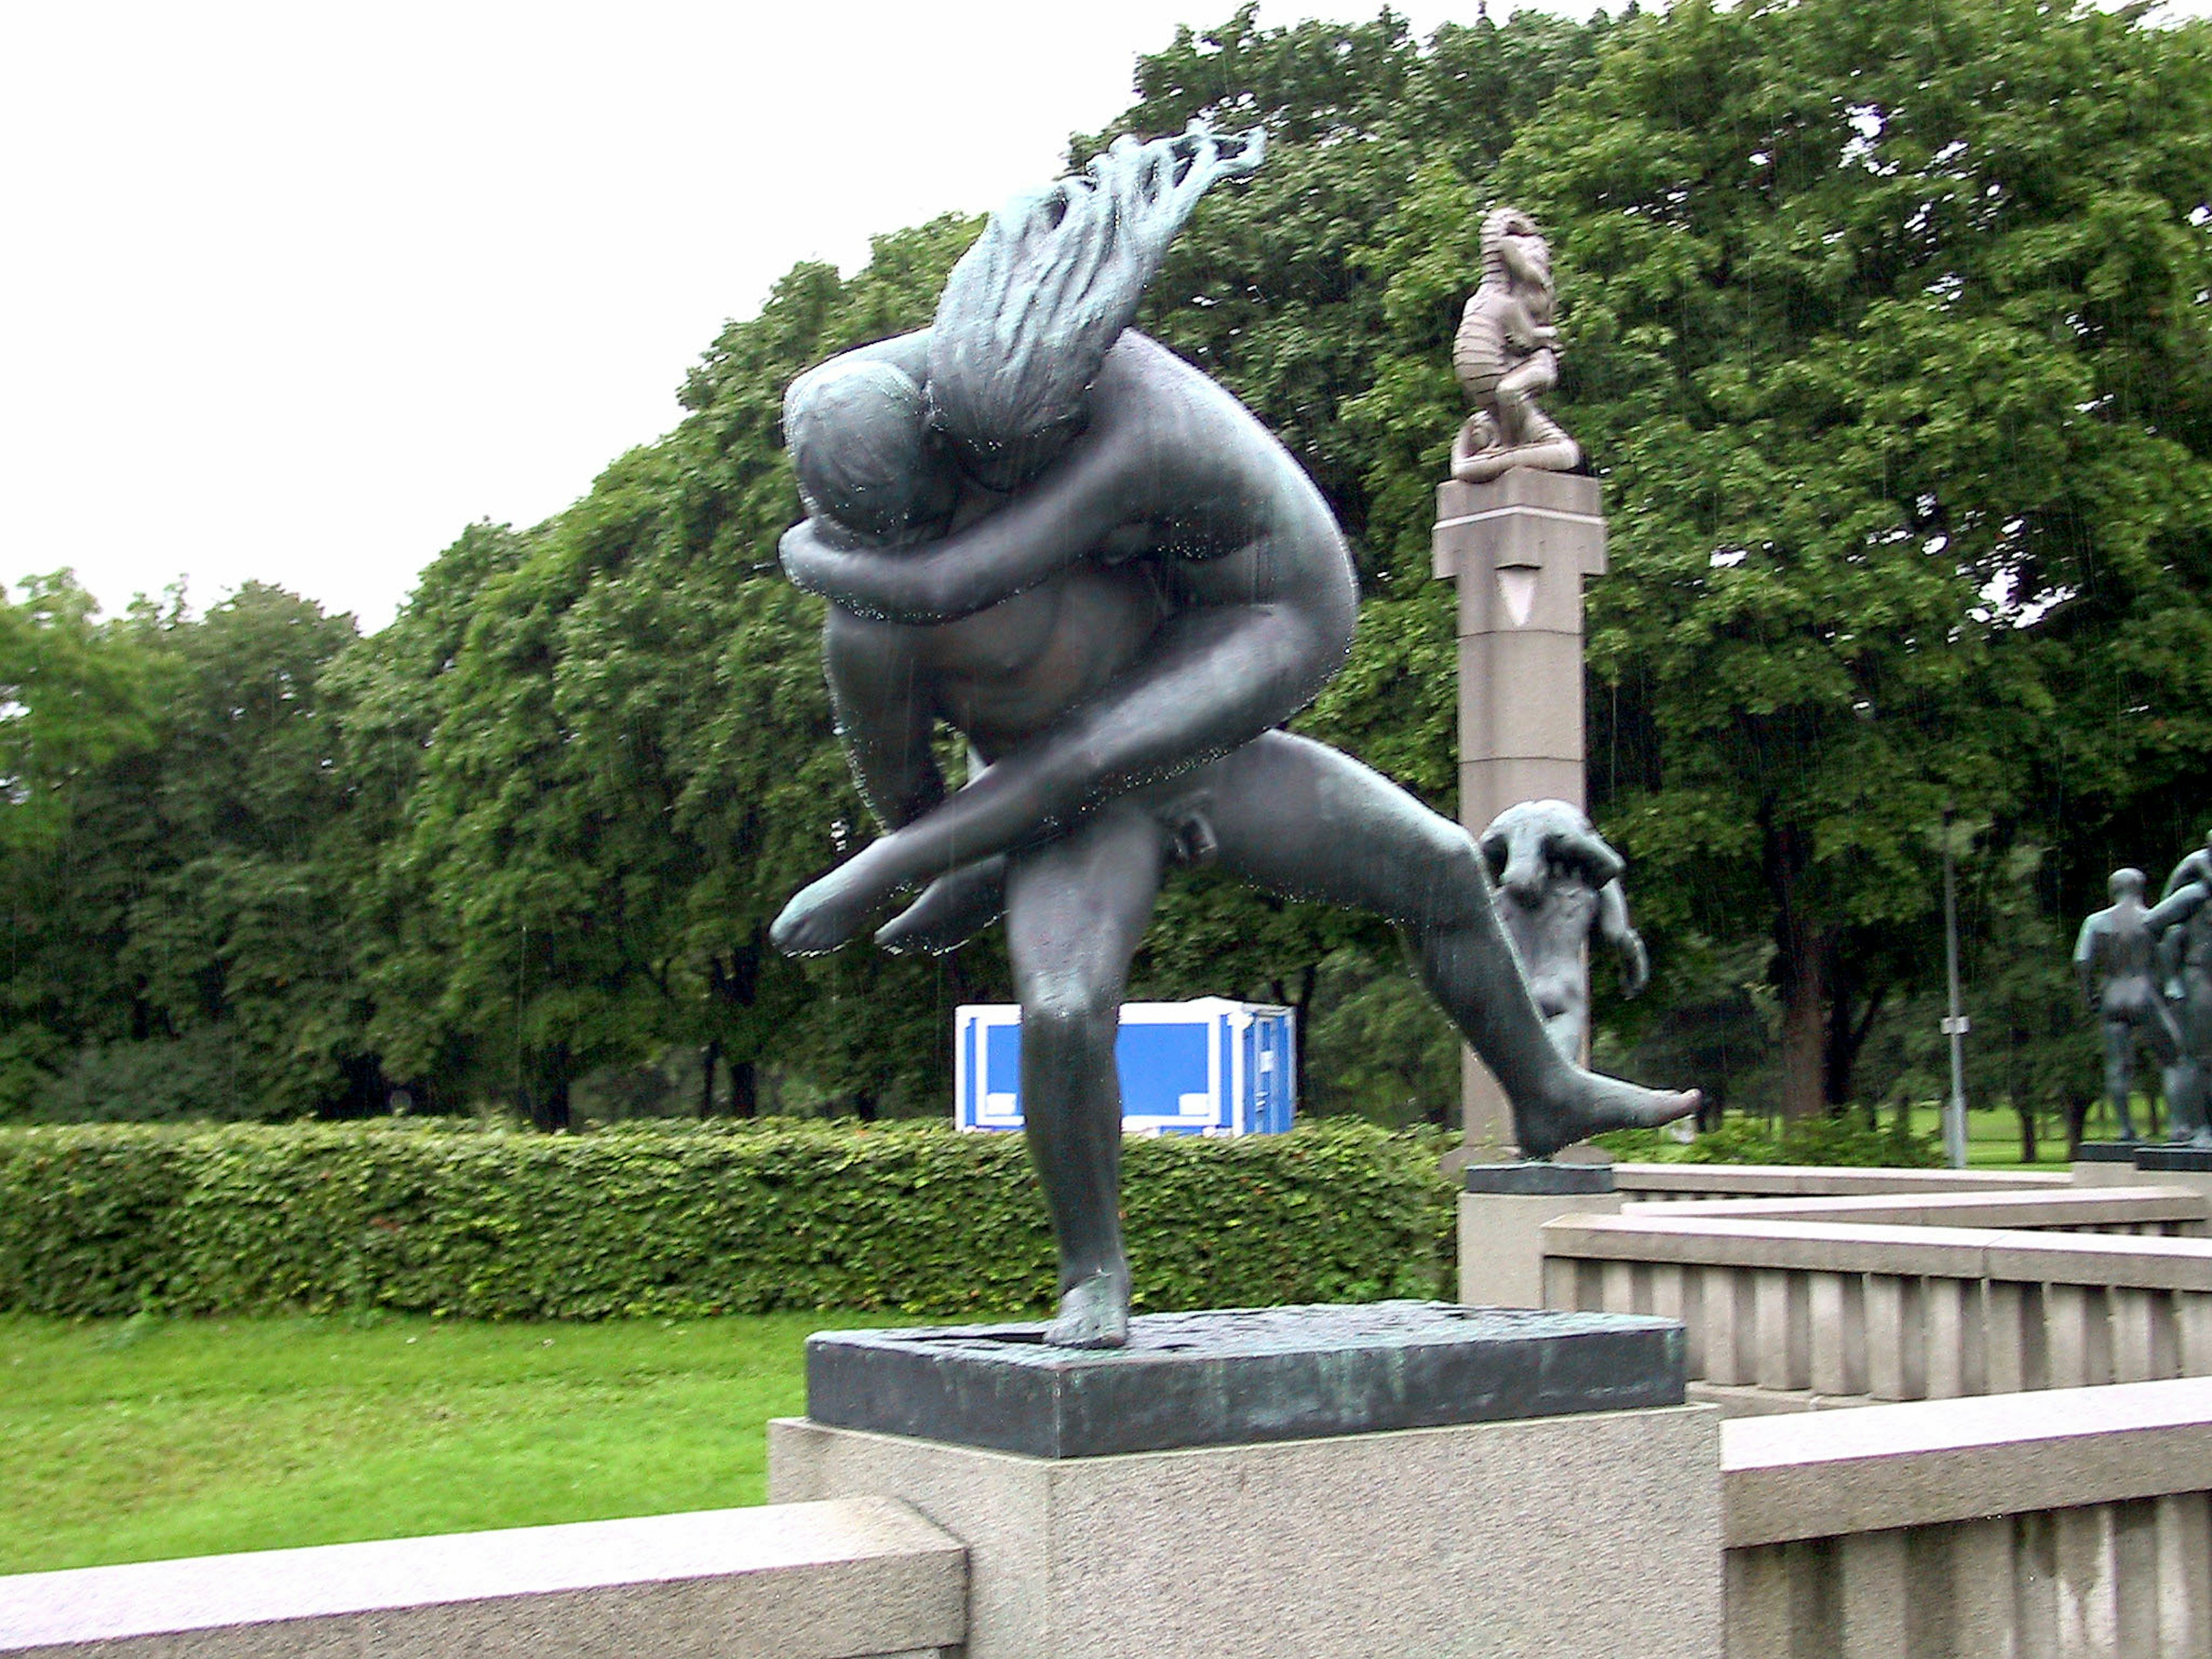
column 1285, row 813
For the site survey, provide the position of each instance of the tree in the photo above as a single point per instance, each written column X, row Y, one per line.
column 1888, row 328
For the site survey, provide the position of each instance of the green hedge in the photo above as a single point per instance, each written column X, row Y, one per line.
column 108, row 1218
column 1827, row 1142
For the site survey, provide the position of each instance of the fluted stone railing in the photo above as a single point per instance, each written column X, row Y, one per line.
column 2142, row 1211
column 1647, row 1183
column 2074, row 1523
column 1800, row 1313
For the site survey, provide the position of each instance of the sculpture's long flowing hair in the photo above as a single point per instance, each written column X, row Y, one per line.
column 1029, row 313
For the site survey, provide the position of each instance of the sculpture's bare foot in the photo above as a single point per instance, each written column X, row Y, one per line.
column 1093, row 1314
column 951, row 910
column 1593, row 1104
column 825, row 914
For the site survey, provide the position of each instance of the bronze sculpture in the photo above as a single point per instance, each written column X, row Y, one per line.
column 2115, row 955
column 2182, row 923
column 1045, row 530
column 1559, row 892
column 1506, row 354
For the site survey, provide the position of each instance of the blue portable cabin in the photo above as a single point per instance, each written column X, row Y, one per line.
column 1210, row 1067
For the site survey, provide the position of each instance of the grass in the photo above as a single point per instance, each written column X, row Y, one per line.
column 140, row 1439
column 1993, row 1133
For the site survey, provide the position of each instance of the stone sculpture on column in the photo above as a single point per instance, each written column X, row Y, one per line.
column 1518, row 532
column 1559, row 892
column 2116, row 955
column 1506, row 353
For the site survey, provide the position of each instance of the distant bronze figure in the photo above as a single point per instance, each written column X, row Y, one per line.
column 1558, row 891
column 2116, row 955
column 1507, row 355
column 2182, row 922
column 1044, row 530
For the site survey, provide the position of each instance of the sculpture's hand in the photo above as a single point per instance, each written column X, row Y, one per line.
column 1635, row 964
column 1104, row 479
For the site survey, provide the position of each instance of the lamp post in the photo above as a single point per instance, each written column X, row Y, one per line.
column 1955, row 1024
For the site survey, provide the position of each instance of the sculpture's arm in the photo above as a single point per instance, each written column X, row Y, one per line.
column 2193, row 868
column 2176, row 907
column 2085, row 960
column 1053, row 523
column 1612, row 926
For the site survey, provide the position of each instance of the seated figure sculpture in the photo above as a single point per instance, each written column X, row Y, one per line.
column 1132, row 614
column 1559, row 891
column 1506, row 354
column 2115, row 955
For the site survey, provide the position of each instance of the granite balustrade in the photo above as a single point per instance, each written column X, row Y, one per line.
column 859, row 1577
column 2074, row 1522
column 1782, row 1314
column 1660, row 1183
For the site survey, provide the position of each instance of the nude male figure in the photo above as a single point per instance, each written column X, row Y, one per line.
column 2116, row 956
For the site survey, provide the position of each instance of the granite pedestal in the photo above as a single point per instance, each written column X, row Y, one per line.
column 1325, row 1482
column 1503, row 1208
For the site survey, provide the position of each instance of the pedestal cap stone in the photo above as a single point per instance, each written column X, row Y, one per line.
column 2106, row 1151
column 1536, row 1178
column 1241, row 1377
column 2195, row 1160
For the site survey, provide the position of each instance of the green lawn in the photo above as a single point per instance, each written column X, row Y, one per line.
column 134, row 1440
column 1993, row 1134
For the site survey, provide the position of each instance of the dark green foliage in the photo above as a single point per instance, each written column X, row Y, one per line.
column 1836, row 1142
column 715, row 1219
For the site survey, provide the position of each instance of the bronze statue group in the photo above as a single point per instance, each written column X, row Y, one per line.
column 2146, row 970
column 1044, row 530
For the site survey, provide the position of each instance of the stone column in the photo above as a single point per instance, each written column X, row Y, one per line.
column 1519, row 547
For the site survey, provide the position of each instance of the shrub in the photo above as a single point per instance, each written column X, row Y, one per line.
column 684, row 1219
column 1834, row 1142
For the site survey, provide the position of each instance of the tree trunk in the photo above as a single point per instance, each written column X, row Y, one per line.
column 1799, row 965
column 734, row 982
column 711, row 1053
column 745, row 1089
column 1846, row 1037
column 548, row 1103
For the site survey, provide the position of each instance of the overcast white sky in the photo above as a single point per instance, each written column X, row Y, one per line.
column 295, row 291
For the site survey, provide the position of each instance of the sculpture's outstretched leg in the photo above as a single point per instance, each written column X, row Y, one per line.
column 1076, row 910
column 1299, row 819
column 1212, row 679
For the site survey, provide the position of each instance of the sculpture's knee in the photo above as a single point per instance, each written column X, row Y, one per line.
column 1070, row 1019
